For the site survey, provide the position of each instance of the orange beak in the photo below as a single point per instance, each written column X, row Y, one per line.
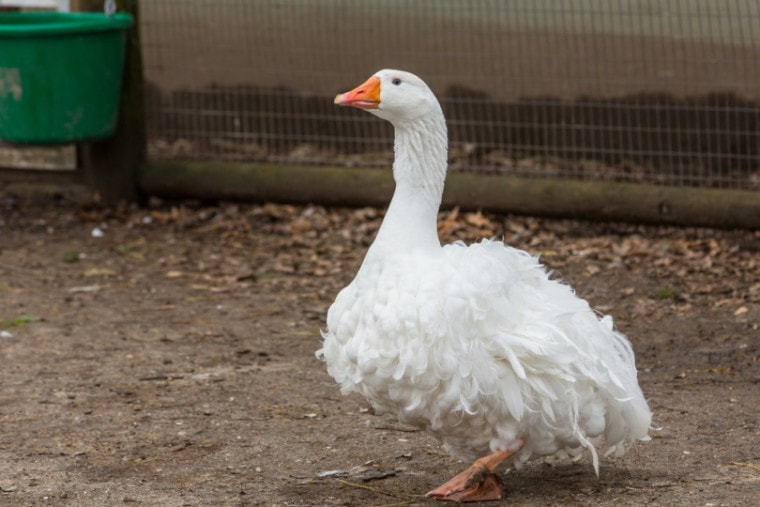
column 364, row 96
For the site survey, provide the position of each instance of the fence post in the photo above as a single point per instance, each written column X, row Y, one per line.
column 111, row 166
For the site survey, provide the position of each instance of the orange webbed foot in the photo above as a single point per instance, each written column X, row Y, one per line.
column 478, row 483
column 470, row 486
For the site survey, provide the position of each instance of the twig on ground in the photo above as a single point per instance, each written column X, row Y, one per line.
column 407, row 499
column 752, row 466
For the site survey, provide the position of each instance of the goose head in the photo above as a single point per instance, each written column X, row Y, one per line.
column 394, row 95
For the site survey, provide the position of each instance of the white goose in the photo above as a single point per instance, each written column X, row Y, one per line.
column 475, row 344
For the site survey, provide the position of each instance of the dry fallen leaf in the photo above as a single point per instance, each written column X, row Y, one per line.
column 99, row 272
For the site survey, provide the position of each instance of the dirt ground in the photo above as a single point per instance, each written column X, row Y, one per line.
column 165, row 356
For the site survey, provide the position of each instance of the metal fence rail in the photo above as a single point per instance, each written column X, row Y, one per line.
column 663, row 91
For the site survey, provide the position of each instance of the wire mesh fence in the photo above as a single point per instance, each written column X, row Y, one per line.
column 664, row 91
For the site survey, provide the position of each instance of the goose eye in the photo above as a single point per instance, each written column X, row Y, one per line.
column 396, row 81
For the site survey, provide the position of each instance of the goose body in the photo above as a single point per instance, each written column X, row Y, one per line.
column 475, row 344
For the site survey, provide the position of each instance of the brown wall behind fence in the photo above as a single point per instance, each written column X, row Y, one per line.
column 661, row 92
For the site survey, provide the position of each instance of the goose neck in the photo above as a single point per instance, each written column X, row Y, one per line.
column 419, row 170
column 421, row 157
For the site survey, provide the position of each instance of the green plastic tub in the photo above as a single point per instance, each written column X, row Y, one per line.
column 60, row 76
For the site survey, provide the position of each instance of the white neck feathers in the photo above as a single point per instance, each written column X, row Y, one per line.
column 421, row 157
column 419, row 169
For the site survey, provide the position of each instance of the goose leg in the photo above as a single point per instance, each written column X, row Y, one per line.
column 478, row 483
